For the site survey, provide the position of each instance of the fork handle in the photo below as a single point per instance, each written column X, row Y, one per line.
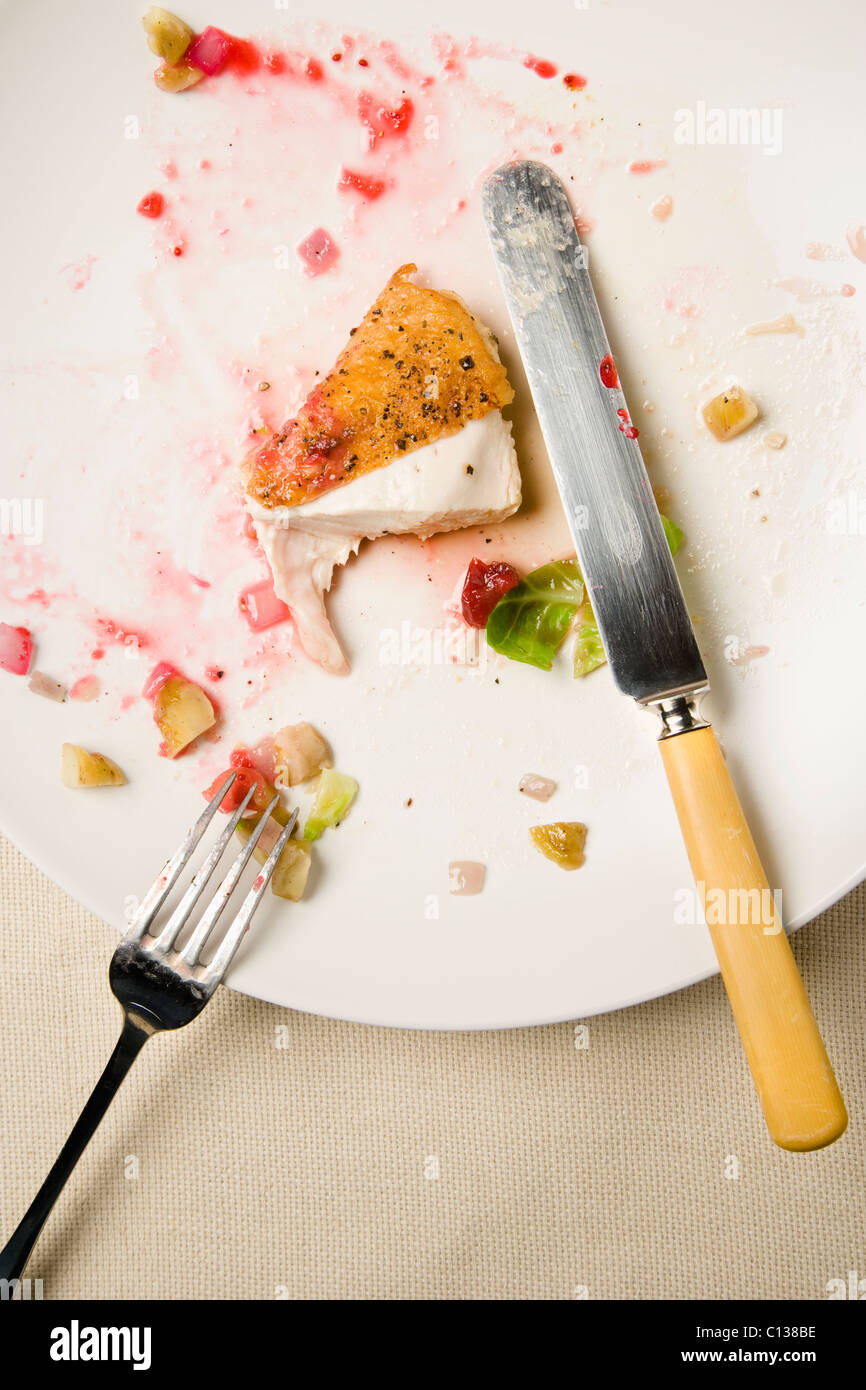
column 15, row 1253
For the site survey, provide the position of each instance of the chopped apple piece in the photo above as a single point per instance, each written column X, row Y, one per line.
column 561, row 842
column 293, row 866
column 300, row 753
column 167, row 36
column 182, row 712
column 79, row 768
column 729, row 413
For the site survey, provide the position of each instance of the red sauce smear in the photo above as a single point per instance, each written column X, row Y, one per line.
column 574, row 82
column 646, row 166
column 368, row 187
column 608, row 373
column 151, row 205
column 540, row 66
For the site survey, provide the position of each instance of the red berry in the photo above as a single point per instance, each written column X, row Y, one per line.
column 483, row 587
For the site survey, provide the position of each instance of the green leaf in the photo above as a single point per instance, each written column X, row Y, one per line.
column 530, row 622
column 673, row 534
column 588, row 651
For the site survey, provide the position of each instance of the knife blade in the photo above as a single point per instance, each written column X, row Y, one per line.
column 648, row 637
column 615, row 524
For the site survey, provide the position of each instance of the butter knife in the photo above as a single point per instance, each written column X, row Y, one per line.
column 648, row 637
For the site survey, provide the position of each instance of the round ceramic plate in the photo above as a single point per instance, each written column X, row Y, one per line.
column 716, row 171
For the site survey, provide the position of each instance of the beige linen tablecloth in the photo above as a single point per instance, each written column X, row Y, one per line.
column 263, row 1153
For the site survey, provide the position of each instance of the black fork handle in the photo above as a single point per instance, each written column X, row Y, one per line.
column 14, row 1255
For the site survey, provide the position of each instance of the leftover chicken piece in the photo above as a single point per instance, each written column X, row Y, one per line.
column 299, row 754
column 404, row 435
column 562, row 842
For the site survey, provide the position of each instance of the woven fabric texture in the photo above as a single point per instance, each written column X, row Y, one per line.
column 263, row 1153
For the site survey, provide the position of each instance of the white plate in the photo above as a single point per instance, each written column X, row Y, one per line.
column 126, row 404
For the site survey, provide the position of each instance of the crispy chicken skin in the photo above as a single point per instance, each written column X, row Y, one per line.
column 418, row 367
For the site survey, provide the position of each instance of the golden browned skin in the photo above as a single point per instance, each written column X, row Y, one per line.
column 417, row 368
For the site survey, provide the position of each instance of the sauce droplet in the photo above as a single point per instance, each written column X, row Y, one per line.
column 608, row 373
column 540, row 66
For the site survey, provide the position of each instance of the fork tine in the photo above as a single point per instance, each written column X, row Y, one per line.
column 157, row 894
column 233, row 937
column 211, row 916
column 180, row 916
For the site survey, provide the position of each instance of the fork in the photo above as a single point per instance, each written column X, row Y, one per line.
column 158, row 986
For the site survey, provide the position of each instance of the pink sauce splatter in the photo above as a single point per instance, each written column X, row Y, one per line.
column 368, row 187
column 86, row 688
column 608, row 373
column 646, row 166
column 151, row 205
column 78, row 273
column 628, row 429
column 540, row 66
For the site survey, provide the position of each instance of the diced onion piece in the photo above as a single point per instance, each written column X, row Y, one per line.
column 729, row 413
column 167, row 36
column 210, row 51
column 47, row 687
column 261, row 607
column 561, row 842
column 299, row 754
column 16, row 649
column 79, row 768
column 539, row 788
column 177, row 79
column 465, row 878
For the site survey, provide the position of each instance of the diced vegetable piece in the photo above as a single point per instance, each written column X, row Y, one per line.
column 245, row 779
column 334, row 795
column 210, row 51
column 588, row 649
column 300, row 753
column 261, row 607
column 79, row 768
column 16, row 649
column 530, row 623
column 539, row 788
column 318, row 252
column 293, row 866
column 167, row 36
column 156, row 679
column 483, row 587
column 561, row 842
column 729, row 413
column 182, row 711
column 177, row 79
column 465, row 878
column 47, row 687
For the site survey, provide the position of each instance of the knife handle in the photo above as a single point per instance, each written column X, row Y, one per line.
column 795, row 1082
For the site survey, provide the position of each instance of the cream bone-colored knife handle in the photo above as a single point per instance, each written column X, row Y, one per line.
column 795, row 1082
